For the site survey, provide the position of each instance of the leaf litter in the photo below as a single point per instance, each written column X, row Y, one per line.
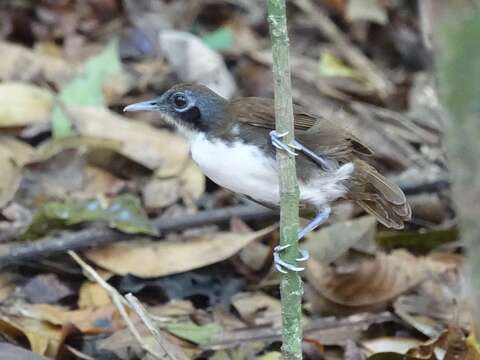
column 72, row 161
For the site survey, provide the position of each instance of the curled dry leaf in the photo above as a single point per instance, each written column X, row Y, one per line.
column 24, row 104
column 146, row 258
column 43, row 338
column 194, row 61
column 373, row 282
column 150, row 147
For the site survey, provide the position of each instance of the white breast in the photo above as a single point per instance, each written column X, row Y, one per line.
column 244, row 169
column 238, row 167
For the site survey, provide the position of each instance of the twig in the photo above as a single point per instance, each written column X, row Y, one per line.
column 145, row 317
column 92, row 275
column 291, row 289
column 120, row 303
column 99, row 236
column 374, row 75
column 321, row 328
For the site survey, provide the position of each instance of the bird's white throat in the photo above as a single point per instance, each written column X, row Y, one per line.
column 245, row 169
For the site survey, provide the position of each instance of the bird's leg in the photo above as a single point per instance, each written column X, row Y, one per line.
column 318, row 220
column 281, row 265
column 279, row 144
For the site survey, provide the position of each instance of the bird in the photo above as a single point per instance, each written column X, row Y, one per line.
column 234, row 143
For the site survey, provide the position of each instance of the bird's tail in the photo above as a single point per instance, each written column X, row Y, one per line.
column 379, row 196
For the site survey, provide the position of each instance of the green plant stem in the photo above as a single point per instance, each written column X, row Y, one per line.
column 291, row 285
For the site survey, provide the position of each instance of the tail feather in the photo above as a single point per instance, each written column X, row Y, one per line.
column 378, row 196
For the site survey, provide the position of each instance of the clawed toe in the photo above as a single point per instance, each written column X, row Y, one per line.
column 279, row 144
column 282, row 266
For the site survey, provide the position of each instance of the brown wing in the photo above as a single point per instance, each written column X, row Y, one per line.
column 261, row 112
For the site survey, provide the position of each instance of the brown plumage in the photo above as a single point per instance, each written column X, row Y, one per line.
column 367, row 187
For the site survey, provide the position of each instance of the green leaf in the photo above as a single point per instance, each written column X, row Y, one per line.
column 86, row 88
column 198, row 334
column 421, row 242
column 124, row 213
column 220, row 39
column 330, row 65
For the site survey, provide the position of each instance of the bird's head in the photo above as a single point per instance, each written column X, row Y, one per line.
column 192, row 108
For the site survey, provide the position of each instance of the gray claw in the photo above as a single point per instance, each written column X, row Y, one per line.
column 304, row 255
column 281, row 265
column 279, row 144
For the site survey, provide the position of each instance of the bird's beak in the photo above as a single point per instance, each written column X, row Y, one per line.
column 150, row 105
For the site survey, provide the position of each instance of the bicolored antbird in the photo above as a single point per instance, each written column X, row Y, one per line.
column 234, row 144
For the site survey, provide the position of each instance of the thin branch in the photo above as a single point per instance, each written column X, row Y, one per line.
column 120, row 302
column 145, row 317
column 291, row 285
column 100, row 236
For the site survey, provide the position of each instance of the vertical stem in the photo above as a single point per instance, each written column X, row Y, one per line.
column 291, row 285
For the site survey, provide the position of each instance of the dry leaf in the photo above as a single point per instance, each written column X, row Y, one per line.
column 150, row 147
column 376, row 281
column 160, row 193
column 146, row 258
column 34, row 65
column 13, row 155
column 194, row 61
column 254, row 255
column 46, row 289
column 88, row 321
column 327, row 244
column 192, row 181
column 258, row 308
column 7, row 284
column 399, row 345
column 44, row 339
column 24, row 104
column 92, row 295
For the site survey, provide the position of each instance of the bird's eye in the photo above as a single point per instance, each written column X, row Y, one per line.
column 180, row 101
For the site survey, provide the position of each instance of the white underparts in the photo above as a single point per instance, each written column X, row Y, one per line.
column 244, row 169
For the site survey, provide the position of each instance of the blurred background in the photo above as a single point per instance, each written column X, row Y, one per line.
column 77, row 174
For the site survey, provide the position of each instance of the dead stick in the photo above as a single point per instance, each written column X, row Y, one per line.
column 99, row 236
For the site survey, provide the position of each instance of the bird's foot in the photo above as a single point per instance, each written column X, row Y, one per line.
column 295, row 145
column 318, row 220
column 279, row 144
column 282, row 266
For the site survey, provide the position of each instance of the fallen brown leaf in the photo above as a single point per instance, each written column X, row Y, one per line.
column 43, row 338
column 373, row 282
column 258, row 308
column 150, row 147
column 91, row 295
column 88, row 321
column 146, row 258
